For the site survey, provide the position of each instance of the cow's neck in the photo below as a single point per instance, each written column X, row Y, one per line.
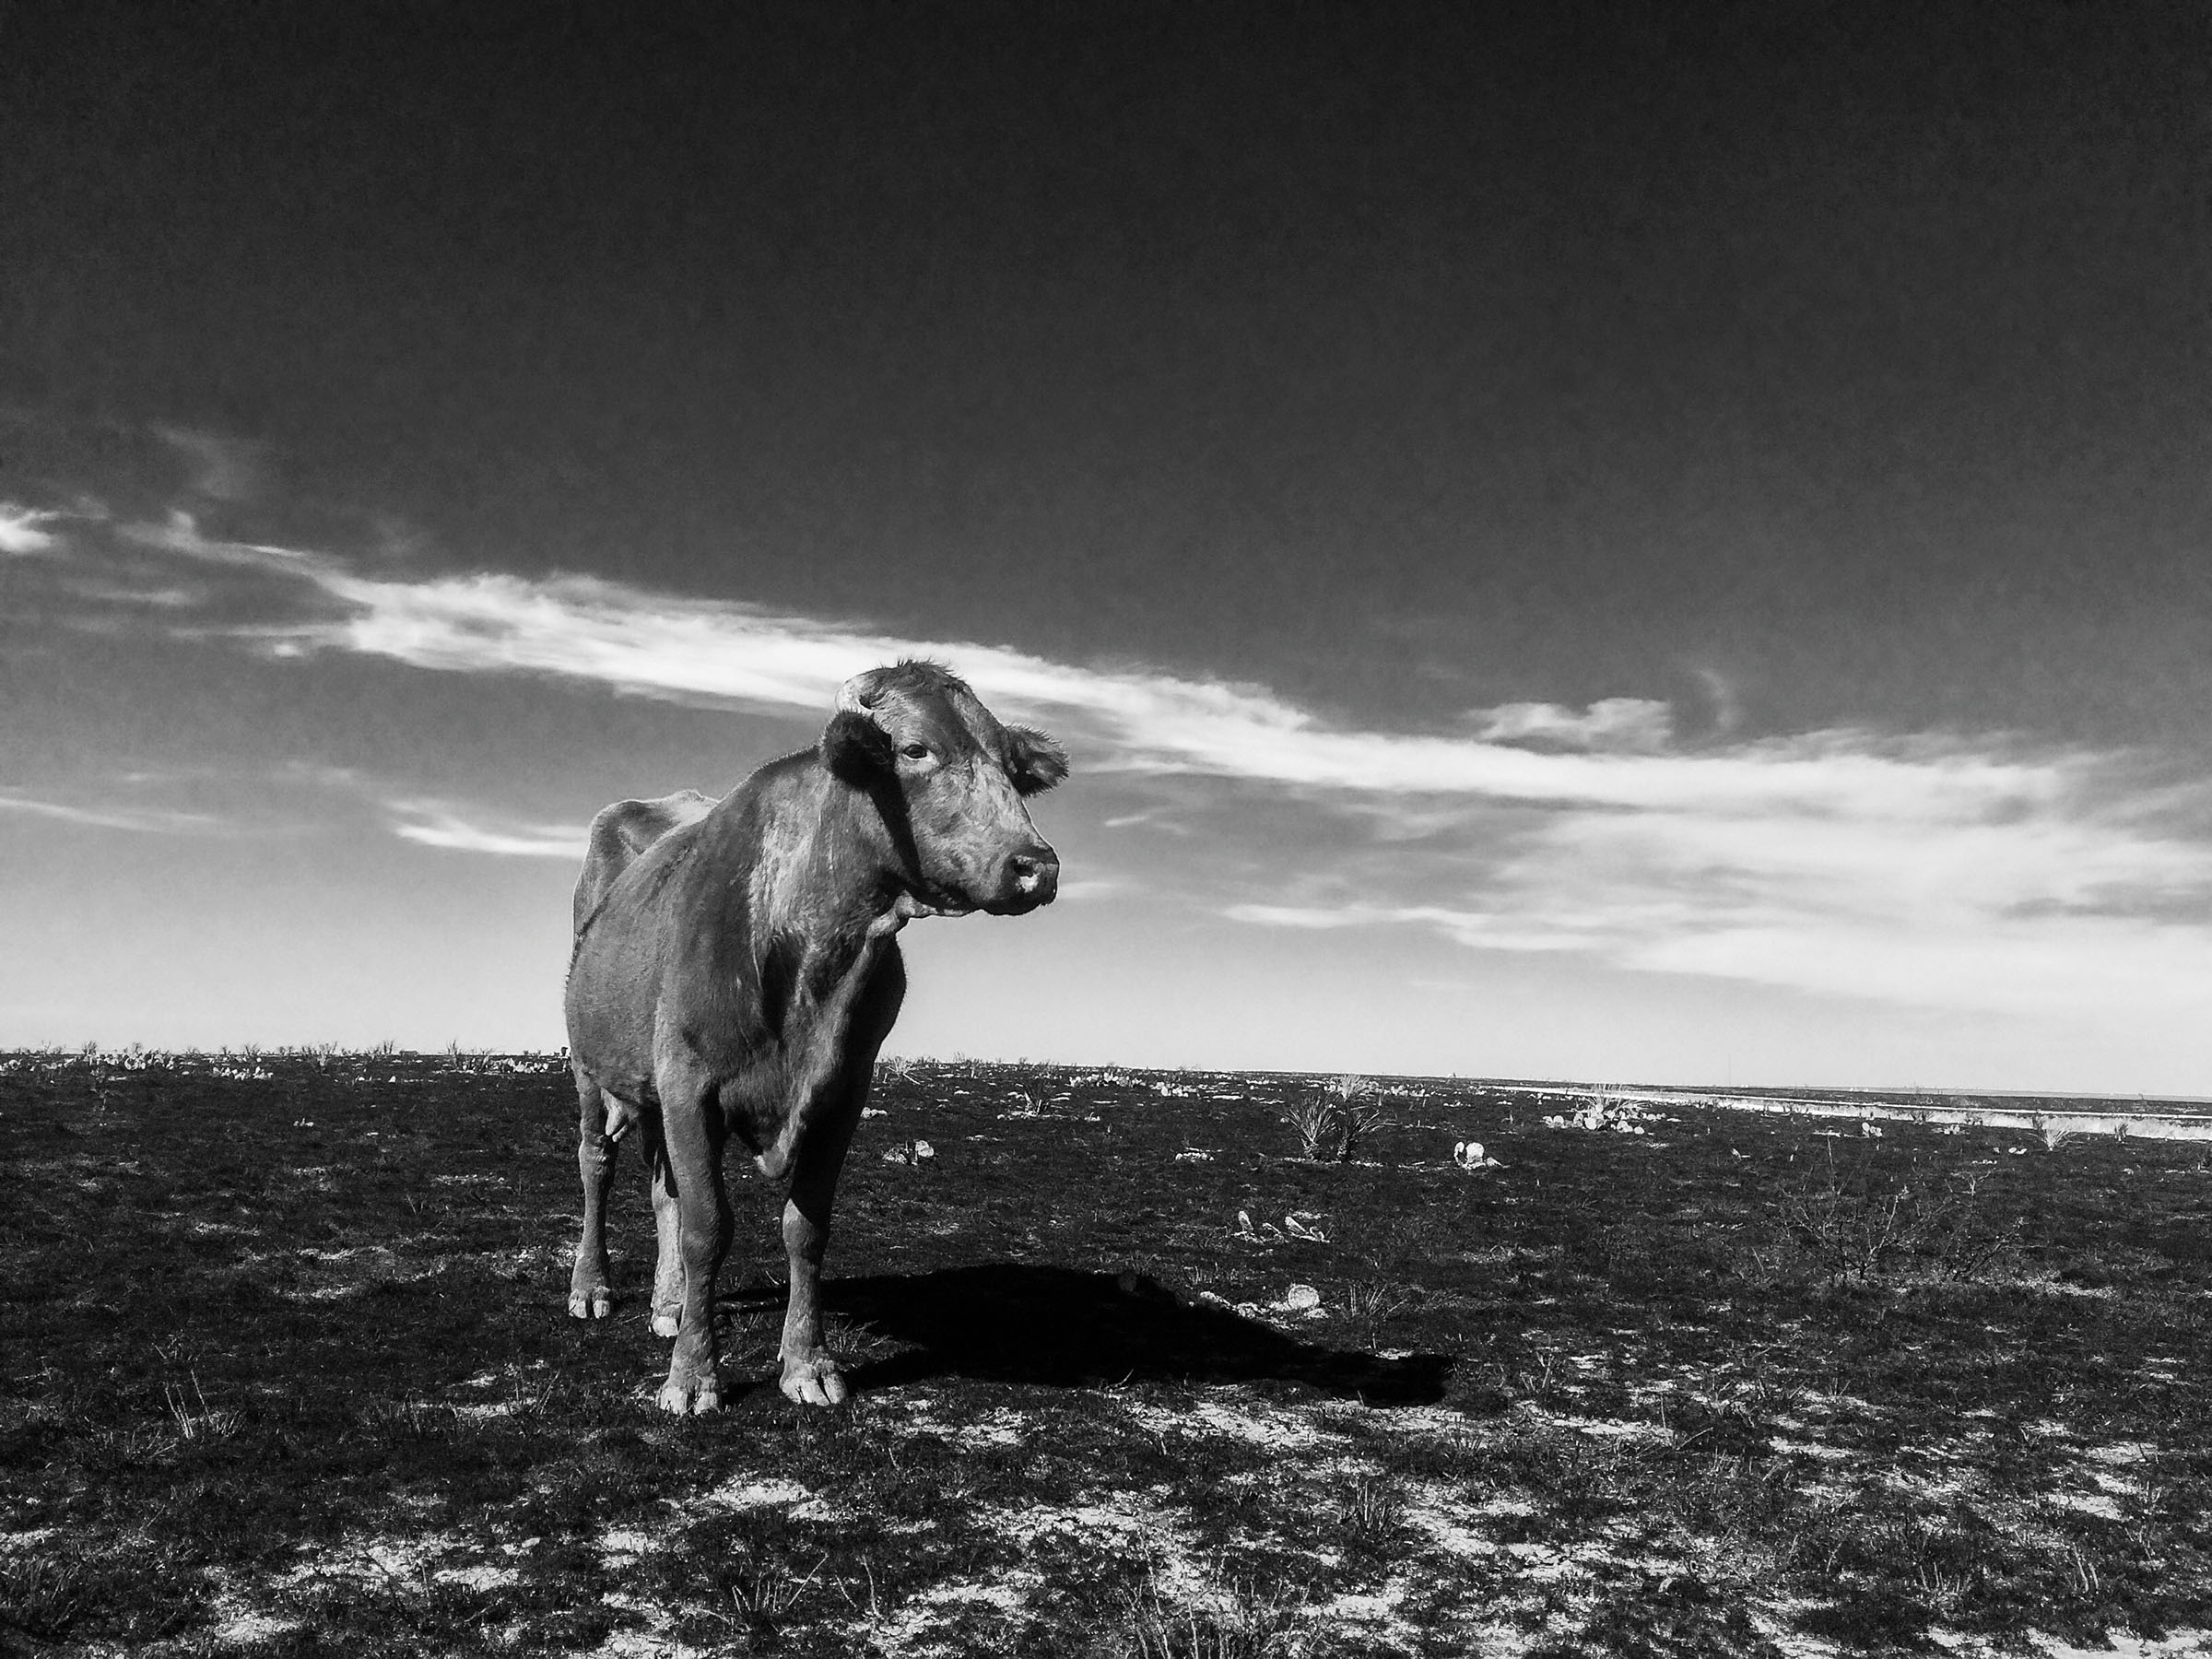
column 824, row 890
column 826, row 882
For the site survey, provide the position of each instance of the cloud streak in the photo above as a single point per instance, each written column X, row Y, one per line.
column 223, row 468
column 1611, row 723
column 137, row 820
column 23, row 529
column 1934, row 868
column 430, row 824
column 634, row 641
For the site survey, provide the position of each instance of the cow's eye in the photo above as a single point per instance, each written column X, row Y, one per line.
column 916, row 751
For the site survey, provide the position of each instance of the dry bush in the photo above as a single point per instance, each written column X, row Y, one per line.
column 1853, row 1231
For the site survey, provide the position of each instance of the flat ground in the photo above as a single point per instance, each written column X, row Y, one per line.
column 286, row 1369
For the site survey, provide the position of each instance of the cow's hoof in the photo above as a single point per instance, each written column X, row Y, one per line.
column 690, row 1396
column 591, row 1304
column 667, row 1324
column 814, row 1382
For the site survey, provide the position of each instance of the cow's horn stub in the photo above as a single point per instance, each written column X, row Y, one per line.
column 858, row 695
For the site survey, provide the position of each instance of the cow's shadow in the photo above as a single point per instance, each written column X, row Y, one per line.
column 1012, row 1322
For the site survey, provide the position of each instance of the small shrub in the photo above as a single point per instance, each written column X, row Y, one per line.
column 1317, row 1123
column 1359, row 1122
column 1331, row 1127
column 2055, row 1134
column 1852, row 1231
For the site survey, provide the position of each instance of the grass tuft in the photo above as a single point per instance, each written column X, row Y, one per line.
column 1242, row 1624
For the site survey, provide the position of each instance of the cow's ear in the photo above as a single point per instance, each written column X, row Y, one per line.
column 855, row 747
column 1033, row 761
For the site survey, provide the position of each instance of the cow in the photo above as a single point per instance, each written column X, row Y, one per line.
column 736, row 969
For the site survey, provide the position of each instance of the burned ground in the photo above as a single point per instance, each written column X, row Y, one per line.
column 287, row 1370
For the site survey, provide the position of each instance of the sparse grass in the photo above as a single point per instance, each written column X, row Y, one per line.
column 1369, row 1306
column 1239, row 1624
column 286, row 1340
column 1373, row 1513
column 196, row 1420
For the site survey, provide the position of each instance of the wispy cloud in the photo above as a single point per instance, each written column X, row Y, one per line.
column 655, row 644
column 1086, row 890
column 140, row 821
column 2061, row 912
column 432, row 825
column 223, row 468
column 1611, row 723
column 24, row 529
column 1957, row 870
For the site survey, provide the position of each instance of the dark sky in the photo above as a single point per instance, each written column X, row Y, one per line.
column 1800, row 367
column 1739, row 325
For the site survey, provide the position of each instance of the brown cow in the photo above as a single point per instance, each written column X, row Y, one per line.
column 734, row 972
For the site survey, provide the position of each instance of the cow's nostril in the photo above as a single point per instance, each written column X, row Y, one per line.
column 1031, row 875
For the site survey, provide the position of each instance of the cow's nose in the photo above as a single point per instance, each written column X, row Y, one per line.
column 1035, row 876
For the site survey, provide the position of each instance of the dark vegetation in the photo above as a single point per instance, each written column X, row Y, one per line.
column 284, row 1369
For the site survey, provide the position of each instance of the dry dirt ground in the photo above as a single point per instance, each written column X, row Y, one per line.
column 1146, row 1364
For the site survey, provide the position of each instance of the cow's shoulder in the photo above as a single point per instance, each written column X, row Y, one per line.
column 623, row 831
column 626, row 829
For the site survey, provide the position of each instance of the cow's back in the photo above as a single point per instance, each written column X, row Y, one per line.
column 636, row 849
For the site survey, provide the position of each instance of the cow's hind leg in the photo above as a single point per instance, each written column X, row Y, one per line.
column 591, row 1290
column 693, row 1132
column 668, row 1261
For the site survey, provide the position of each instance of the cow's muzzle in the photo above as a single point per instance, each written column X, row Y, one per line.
column 1028, row 879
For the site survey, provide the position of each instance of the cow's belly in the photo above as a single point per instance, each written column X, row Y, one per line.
column 611, row 1003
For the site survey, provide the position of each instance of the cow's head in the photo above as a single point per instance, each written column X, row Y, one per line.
column 950, row 781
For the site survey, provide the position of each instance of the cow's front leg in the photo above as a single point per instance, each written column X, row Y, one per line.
column 692, row 1130
column 591, row 1289
column 810, row 1374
